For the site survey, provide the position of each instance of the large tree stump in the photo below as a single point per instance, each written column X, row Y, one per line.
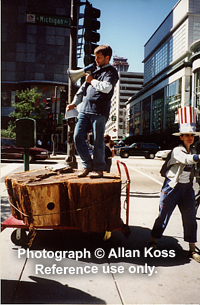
column 59, row 198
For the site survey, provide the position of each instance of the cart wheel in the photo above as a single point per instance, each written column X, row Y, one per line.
column 107, row 235
column 19, row 237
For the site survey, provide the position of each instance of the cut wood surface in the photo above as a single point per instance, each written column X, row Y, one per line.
column 47, row 197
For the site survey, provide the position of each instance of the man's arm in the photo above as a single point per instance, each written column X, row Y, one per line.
column 77, row 98
column 102, row 86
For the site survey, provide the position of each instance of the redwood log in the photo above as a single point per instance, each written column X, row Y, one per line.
column 59, row 198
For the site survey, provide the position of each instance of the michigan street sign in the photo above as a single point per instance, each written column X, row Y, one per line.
column 48, row 20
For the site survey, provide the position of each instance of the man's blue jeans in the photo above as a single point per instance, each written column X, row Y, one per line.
column 86, row 123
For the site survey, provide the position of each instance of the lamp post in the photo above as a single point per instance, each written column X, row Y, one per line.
column 55, row 122
column 71, row 159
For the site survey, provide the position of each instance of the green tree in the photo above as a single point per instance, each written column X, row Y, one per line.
column 29, row 104
column 9, row 132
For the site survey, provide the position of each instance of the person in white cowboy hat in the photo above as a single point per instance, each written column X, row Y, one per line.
column 177, row 188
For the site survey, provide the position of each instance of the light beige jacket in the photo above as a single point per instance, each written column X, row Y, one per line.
column 179, row 159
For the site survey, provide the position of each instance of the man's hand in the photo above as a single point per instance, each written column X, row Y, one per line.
column 88, row 78
column 70, row 107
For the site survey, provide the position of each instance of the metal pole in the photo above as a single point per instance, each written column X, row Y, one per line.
column 26, row 159
column 71, row 159
column 55, row 122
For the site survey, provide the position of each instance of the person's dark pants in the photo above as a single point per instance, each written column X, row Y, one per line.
column 108, row 165
column 183, row 196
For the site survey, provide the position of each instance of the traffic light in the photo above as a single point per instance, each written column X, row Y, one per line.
column 63, row 100
column 91, row 25
column 48, row 104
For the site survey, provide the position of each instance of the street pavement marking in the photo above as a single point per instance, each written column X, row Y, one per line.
column 5, row 170
column 161, row 183
column 3, row 189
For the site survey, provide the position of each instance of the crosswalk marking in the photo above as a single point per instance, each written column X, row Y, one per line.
column 150, row 177
column 5, row 170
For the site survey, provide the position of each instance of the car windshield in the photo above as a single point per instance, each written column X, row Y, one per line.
column 133, row 145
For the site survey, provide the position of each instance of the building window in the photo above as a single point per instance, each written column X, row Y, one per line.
column 197, row 88
column 171, row 50
column 149, row 69
column 146, row 115
column 179, row 42
column 173, row 102
column 196, row 31
column 7, row 98
column 130, row 128
column 137, row 121
column 161, row 59
column 157, row 111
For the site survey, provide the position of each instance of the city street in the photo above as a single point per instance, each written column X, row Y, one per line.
column 124, row 273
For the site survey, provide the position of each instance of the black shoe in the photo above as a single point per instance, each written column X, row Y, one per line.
column 96, row 174
column 84, row 172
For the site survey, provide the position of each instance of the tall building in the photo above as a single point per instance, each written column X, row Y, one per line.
column 35, row 51
column 35, row 47
column 120, row 63
column 171, row 73
column 129, row 83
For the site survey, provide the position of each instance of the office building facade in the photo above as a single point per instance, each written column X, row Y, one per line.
column 171, row 73
column 129, row 83
column 35, row 48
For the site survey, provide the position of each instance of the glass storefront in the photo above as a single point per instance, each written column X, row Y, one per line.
column 163, row 116
column 173, row 102
column 129, row 125
column 137, row 118
column 146, row 111
column 157, row 110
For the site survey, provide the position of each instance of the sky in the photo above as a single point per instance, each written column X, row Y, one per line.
column 126, row 25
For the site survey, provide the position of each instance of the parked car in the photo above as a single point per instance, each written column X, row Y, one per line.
column 9, row 150
column 148, row 150
column 118, row 145
column 163, row 153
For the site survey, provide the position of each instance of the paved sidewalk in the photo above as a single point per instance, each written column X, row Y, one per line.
column 126, row 274
column 58, row 156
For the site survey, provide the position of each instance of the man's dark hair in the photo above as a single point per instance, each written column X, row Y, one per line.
column 104, row 49
column 107, row 138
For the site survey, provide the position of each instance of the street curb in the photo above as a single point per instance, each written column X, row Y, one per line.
column 57, row 157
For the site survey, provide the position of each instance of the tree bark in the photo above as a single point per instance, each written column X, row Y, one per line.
column 59, row 198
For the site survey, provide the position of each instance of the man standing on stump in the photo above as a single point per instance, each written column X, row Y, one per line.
column 95, row 95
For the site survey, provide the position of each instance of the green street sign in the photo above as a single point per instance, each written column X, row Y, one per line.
column 48, row 20
column 114, row 118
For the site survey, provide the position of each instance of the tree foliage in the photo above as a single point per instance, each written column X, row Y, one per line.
column 29, row 105
column 9, row 132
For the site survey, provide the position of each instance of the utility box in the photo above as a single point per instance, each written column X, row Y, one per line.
column 26, row 133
